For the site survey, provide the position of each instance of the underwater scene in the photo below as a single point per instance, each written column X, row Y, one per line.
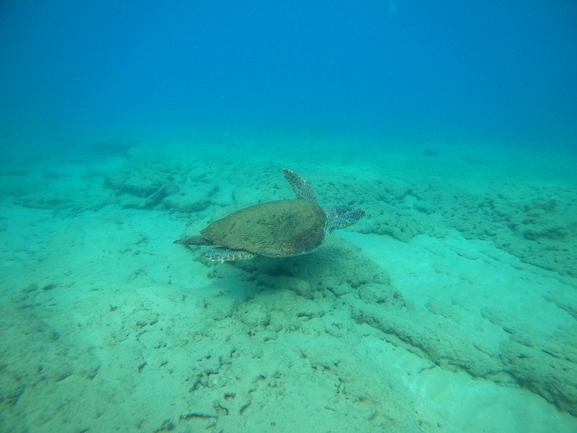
column 245, row 217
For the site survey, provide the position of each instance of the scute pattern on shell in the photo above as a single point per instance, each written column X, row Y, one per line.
column 278, row 229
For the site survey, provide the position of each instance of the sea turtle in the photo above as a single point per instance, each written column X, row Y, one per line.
column 276, row 229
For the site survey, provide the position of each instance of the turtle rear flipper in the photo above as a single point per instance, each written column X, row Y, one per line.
column 225, row 255
column 300, row 187
column 340, row 217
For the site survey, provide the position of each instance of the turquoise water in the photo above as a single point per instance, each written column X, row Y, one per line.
column 451, row 306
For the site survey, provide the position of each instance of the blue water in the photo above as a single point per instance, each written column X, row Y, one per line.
column 451, row 305
column 455, row 72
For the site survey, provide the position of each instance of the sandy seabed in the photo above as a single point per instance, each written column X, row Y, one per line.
column 452, row 307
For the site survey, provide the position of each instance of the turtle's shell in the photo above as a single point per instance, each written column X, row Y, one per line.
column 279, row 228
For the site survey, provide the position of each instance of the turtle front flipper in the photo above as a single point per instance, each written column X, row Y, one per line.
column 339, row 217
column 226, row 255
column 300, row 187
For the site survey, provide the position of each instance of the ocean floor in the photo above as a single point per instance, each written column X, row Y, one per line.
column 451, row 307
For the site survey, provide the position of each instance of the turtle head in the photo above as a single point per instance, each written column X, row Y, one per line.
column 339, row 217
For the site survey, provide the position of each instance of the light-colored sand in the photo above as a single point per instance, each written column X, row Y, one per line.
column 405, row 322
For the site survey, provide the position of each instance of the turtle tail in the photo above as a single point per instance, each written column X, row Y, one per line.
column 194, row 240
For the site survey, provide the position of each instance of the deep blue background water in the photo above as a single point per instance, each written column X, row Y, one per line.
column 488, row 72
